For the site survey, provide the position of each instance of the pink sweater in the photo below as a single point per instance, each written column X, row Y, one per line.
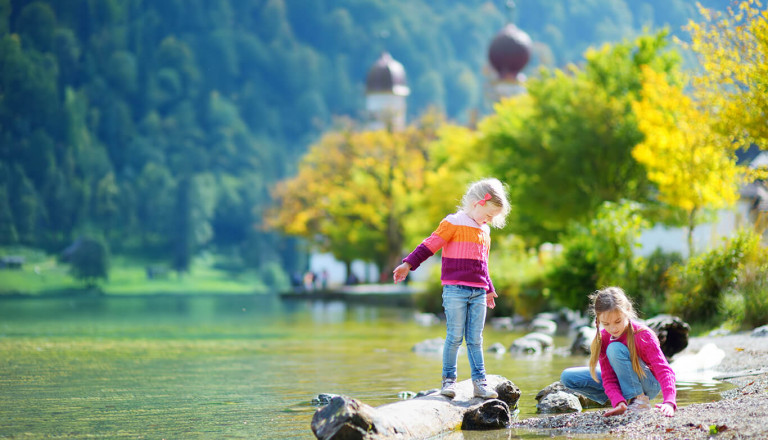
column 649, row 350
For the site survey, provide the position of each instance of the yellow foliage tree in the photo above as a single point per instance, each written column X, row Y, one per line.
column 352, row 192
column 456, row 159
column 693, row 165
column 732, row 49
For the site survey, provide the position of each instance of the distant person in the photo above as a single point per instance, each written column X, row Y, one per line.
column 467, row 288
column 632, row 367
column 309, row 281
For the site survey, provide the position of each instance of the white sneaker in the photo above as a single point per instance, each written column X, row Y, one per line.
column 483, row 390
column 448, row 388
column 639, row 403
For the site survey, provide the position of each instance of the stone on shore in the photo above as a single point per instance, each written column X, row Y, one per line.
column 421, row 417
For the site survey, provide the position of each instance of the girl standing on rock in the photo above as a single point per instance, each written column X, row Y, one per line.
column 467, row 288
column 633, row 367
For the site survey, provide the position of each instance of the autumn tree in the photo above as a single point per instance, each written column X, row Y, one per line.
column 565, row 147
column 456, row 158
column 352, row 192
column 732, row 48
column 692, row 164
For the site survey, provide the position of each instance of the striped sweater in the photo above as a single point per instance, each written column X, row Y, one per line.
column 465, row 247
column 649, row 350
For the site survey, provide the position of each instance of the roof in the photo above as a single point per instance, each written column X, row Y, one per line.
column 387, row 76
column 510, row 51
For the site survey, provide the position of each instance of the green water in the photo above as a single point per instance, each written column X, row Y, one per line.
column 224, row 367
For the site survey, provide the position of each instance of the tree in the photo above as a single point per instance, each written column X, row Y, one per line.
column 565, row 147
column 692, row 165
column 89, row 259
column 456, row 158
column 351, row 193
column 732, row 49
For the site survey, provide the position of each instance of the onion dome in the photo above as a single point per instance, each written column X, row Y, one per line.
column 510, row 51
column 387, row 76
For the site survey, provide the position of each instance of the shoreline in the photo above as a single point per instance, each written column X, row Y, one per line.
column 739, row 414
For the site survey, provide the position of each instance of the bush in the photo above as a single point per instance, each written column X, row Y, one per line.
column 697, row 289
column 575, row 275
column 753, row 285
column 89, row 260
column 518, row 277
column 746, row 303
column 598, row 254
column 649, row 289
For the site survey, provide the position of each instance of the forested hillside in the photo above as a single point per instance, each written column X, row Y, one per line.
column 160, row 126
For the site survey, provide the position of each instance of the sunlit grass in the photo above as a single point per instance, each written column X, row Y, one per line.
column 43, row 274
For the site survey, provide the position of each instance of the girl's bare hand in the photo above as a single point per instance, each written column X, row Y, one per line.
column 401, row 272
column 666, row 409
column 489, row 299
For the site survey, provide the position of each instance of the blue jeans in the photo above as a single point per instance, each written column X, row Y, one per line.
column 465, row 309
column 578, row 379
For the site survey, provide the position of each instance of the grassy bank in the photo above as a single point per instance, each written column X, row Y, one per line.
column 42, row 274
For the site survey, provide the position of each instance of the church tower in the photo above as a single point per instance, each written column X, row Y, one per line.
column 508, row 54
column 385, row 95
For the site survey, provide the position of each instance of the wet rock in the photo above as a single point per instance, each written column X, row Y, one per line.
column 426, row 319
column 426, row 392
column 526, row 346
column 545, row 340
column 434, row 346
column 583, row 340
column 558, row 387
column 497, row 348
column 558, row 402
column 546, row 326
column 503, row 323
column 719, row 332
column 492, row 414
column 323, row 399
column 672, row 332
column 345, row 418
column 760, row 332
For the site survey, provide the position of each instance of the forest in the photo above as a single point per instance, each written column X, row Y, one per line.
column 160, row 128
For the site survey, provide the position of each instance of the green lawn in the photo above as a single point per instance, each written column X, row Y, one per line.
column 42, row 274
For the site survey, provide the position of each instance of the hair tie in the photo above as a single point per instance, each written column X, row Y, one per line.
column 485, row 199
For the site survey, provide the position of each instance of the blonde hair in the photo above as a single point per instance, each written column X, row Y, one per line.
column 607, row 300
column 498, row 196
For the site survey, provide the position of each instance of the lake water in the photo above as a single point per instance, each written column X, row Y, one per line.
column 240, row 366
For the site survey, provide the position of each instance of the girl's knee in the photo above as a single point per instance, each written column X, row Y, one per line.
column 453, row 341
column 617, row 351
column 566, row 378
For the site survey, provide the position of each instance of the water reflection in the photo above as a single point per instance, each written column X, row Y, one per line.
column 241, row 366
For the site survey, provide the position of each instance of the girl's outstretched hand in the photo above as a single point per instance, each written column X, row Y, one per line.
column 489, row 299
column 619, row 409
column 666, row 409
column 401, row 272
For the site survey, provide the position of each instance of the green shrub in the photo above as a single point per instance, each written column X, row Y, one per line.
column 598, row 254
column 697, row 289
column 89, row 260
column 575, row 275
column 518, row 276
column 753, row 285
column 649, row 289
column 746, row 303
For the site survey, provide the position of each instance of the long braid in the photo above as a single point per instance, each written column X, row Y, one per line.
column 633, row 351
column 594, row 349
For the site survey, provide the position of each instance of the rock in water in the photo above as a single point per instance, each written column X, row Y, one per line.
column 492, row 414
column 672, row 332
